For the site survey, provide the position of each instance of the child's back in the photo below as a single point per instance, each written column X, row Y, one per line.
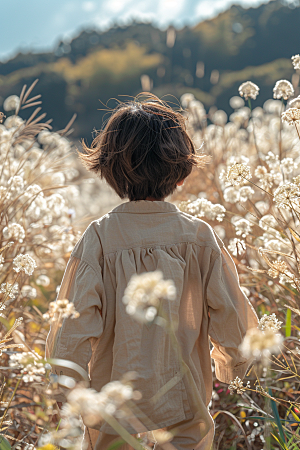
column 145, row 236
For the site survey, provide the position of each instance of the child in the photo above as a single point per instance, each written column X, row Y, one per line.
column 143, row 153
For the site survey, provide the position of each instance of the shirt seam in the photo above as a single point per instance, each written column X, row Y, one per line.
column 158, row 245
column 145, row 212
column 83, row 259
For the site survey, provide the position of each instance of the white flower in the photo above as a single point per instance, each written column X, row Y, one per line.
column 45, row 137
column 29, row 447
column 4, row 194
column 242, row 227
column 2, row 260
column 56, row 204
column 248, row 90
column 237, row 246
column 296, row 61
column 291, row 116
column 272, row 160
column 186, row 99
column 294, row 103
column 14, row 231
column 283, row 89
column 238, row 386
column 116, row 394
column 277, row 177
column 202, row 207
column 220, row 117
column 278, row 267
column 262, row 206
column 236, row 102
column 144, row 292
column 231, row 194
column 28, row 291
column 238, row 174
column 93, row 405
column 16, row 184
column 216, row 212
column 278, row 246
column 58, row 178
column 269, row 323
column 24, row 263
column 32, row 367
column 268, row 222
column 11, row 102
column 260, row 344
column 61, row 309
column 32, row 190
column 38, row 239
column 286, row 194
column 296, row 180
column 13, row 122
column 43, row 280
column 10, row 289
column 246, row 192
column 288, row 165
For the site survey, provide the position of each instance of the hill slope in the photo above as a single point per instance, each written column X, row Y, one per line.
column 211, row 59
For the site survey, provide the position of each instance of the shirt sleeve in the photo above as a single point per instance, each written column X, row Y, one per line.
column 231, row 315
column 81, row 285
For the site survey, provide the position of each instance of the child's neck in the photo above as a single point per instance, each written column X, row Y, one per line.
column 151, row 199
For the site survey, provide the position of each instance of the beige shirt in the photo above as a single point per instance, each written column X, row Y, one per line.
column 137, row 237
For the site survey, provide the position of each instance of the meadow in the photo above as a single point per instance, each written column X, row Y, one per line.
column 249, row 193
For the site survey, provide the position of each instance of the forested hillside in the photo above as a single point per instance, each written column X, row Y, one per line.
column 210, row 59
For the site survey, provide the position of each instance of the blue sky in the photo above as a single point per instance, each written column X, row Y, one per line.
column 40, row 24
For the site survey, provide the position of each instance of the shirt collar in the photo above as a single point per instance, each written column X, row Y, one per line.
column 145, row 207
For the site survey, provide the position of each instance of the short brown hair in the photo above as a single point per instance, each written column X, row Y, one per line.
column 143, row 150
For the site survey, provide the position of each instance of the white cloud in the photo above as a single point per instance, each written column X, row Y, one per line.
column 169, row 10
column 116, row 6
column 64, row 18
column 89, row 6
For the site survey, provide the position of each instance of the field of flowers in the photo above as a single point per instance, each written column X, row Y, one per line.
column 249, row 194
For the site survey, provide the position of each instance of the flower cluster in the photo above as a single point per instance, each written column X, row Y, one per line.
column 24, row 263
column 269, row 322
column 238, row 174
column 14, row 231
column 32, row 368
column 249, row 90
column 59, row 310
column 261, row 344
column 203, row 208
column 93, row 407
column 296, row 61
column 238, row 386
column 144, row 293
column 9, row 289
column 286, row 195
column 291, row 116
column 283, row 89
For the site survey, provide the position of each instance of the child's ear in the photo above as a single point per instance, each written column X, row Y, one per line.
column 180, row 183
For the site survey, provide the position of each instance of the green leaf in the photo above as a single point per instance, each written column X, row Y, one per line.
column 288, row 323
column 295, row 416
column 4, row 444
column 269, row 419
column 282, row 444
column 117, row 444
column 277, row 418
column 69, row 365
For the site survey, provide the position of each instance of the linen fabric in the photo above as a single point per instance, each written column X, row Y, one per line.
column 143, row 236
